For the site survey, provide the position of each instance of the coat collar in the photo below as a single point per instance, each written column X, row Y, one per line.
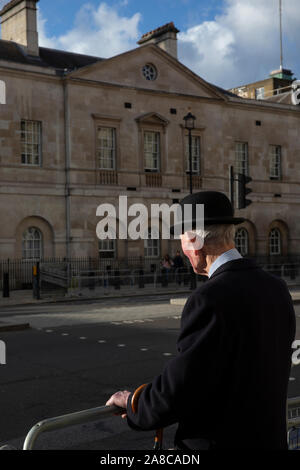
column 235, row 265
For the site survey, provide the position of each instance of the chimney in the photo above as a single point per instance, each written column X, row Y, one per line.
column 19, row 24
column 164, row 37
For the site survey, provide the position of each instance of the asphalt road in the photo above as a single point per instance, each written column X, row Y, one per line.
column 75, row 356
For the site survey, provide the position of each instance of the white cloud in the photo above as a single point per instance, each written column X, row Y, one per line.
column 239, row 46
column 97, row 31
column 242, row 44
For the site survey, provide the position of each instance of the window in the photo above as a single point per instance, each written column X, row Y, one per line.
column 242, row 241
column 152, row 151
column 151, row 245
column 275, row 242
column 31, row 142
column 259, row 93
column 195, row 154
column 149, row 72
column 32, row 244
column 107, row 248
column 275, row 162
column 106, row 148
column 241, row 158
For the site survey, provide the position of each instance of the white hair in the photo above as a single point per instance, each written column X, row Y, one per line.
column 216, row 235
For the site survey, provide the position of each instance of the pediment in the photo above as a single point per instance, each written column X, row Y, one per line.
column 126, row 70
column 152, row 118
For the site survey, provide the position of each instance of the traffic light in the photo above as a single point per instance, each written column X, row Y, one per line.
column 242, row 190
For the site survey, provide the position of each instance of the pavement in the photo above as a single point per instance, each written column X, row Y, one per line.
column 25, row 298
column 19, row 298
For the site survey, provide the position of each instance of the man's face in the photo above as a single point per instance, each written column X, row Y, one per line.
column 196, row 256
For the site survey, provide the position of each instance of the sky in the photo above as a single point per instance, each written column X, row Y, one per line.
column 226, row 42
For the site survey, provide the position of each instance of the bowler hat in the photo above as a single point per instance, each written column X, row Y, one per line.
column 217, row 210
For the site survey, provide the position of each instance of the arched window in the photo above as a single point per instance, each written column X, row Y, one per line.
column 151, row 245
column 32, row 244
column 275, row 242
column 242, row 241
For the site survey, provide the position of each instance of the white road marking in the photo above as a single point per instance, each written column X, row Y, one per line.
column 82, row 337
column 49, row 331
column 144, row 349
column 292, row 379
column 101, row 341
column 121, row 345
column 65, row 334
column 167, row 354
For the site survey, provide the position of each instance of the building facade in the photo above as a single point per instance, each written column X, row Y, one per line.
column 279, row 82
column 77, row 131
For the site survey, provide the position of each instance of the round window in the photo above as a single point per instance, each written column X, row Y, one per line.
column 149, row 72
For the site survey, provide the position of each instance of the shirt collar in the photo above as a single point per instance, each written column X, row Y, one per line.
column 224, row 258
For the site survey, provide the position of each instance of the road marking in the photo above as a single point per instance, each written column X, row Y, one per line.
column 49, row 331
column 101, row 341
column 82, row 337
column 167, row 354
column 121, row 345
column 144, row 349
column 65, row 334
column 292, row 379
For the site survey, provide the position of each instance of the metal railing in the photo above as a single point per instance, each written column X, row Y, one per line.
column 67, row 420
column 92, row 414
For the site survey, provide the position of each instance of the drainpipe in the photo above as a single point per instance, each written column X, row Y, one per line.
column 67, row 168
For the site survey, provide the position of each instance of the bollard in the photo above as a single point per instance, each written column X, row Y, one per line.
column 36, row 281
column 5, row 284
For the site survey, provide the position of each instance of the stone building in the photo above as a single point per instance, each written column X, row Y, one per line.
column 77, row 131
column 279, row 82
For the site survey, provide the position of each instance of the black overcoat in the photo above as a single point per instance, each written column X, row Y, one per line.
column 228, row 381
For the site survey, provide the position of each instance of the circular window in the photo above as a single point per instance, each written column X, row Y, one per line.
column 149, row 72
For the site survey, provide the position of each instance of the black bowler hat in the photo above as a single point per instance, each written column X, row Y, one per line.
column 217, row 209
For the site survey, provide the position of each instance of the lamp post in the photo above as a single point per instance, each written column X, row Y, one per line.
column 189, row 124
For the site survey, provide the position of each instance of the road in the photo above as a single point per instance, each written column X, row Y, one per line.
column 75, row 356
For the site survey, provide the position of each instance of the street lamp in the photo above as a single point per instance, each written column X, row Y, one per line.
column 189, row 124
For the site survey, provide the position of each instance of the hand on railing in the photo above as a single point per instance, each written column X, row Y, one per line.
column 119, row 399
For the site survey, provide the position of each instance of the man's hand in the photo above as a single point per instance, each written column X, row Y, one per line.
column 119, row 399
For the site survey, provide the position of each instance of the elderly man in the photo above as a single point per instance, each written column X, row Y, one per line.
column 227, row 385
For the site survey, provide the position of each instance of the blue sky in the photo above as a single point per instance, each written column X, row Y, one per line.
column 227, row 42
column 153, row 12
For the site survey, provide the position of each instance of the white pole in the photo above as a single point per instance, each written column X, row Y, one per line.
column 280, row 25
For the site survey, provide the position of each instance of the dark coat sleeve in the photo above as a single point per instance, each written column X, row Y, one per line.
column 165, row 400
